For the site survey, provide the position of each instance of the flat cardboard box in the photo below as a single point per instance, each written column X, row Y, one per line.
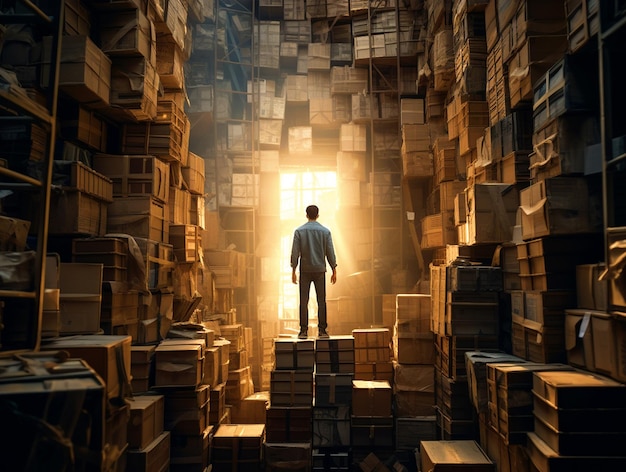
column 545, row 459
column 453, row 455
column 371, row 398
column 577, row 389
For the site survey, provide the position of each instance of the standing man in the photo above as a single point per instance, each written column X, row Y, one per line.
column 312, row 247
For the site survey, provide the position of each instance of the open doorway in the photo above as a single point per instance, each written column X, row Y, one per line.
column 297, row 191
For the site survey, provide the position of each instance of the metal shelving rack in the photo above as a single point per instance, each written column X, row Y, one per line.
column 20, row 327
column 611, row 40
column 237, row 62
column 386, row 218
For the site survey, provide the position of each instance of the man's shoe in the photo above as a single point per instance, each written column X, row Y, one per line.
column 323, row 334
column 303, row 334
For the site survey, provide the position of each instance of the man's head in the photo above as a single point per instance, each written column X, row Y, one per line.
column 312, row 212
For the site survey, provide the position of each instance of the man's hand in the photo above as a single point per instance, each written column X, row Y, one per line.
column 333, row 277
column 294, row 277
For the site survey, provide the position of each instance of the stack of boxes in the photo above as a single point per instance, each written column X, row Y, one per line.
column 414, row 373
column 289, row 416
column 334, row 374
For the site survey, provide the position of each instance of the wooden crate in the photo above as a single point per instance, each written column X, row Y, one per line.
column 186, row 242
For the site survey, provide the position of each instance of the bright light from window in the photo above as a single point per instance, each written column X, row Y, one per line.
column 298, row 190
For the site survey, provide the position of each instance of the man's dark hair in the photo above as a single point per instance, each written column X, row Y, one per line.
column 312, row 212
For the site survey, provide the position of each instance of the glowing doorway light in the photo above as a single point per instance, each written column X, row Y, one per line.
column 297, row 191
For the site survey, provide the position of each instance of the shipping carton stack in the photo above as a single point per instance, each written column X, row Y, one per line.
column 179, row 377
column 218, row 411
column 371, row 423
column 372, row 354
column 559, row 439
column 239, row 383
column 334, row 373
column 454, row 455
column 413, row 371
column 548, row 282
column 148, row 442
column 465, row 317
column 290, row 410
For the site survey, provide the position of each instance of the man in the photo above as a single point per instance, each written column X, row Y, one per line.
column 312, row 247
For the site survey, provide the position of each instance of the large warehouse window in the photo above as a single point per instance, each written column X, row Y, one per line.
column 298, row 190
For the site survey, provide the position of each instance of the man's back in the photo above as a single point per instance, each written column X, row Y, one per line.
column 313, row 245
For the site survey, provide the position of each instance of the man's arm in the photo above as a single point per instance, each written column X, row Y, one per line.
column 295, row 256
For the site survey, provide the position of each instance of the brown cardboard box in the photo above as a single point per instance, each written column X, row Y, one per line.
column 492, row 210
column 373, row 371
column 238, row 444
column 80, row 297
column 294, row 354
column 252, row 409
column 193, row 174
column 289, row 424
column 135, row 175
column 371, row 398
column 291, row 388
column 187, row 410
column 414, row 348
column 85, row 72
column 605, row 348
column 591, row 292
column 239, row 385
column 572, row 389
column 154, row 458
column 293, row 456
column 13, row 233
column 558, row 205
column 108, row 355
column 452, row 455
column 146, row 420
column 142, row 217
column 178, row 364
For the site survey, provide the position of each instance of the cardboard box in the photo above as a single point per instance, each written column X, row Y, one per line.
column 293, row 456
column 77, row 212
column 146, row 420
column 108, row 355
column 129, row 32
column 558, row 205
column 492, row 210
column 80, row 299
column 591, row 291
column 452, row 455
column 154, row 457
column 85, row 71
column 413, row 348
column 193, row 174
column 373, row 371
column 371, row 338
column 142, row 217
column 573, row 389
column 240, row 444
column 371, row 398
column 187, row 411
column 13, row 233
column 252, row 409
column 291, row 388
column 331, row 427
column 333, row 389
column 294, row 354
column 334, row 355
column 135, row 175
column 178, row 365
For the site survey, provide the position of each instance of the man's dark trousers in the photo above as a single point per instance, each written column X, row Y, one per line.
column 319, row 282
